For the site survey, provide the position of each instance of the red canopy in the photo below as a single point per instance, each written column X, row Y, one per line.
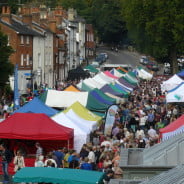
column 173, row 128
column 33, row 126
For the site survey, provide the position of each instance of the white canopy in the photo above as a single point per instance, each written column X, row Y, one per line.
column 64, row 99
column 116, row 73
column 171, row 83
column 88, row 125
column 80, row 134
column 143, row 74
column 176, row 94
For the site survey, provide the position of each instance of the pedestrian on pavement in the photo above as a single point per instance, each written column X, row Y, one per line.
column 6, row 159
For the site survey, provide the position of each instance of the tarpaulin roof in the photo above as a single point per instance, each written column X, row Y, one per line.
column 122, row 69
column 94, row 105
column 118, row 88
column 71, row 88
column 83, row 112
column 58, row 175
column 112, row 100
column 100, row 98
column 130, row 80
column 80, row 132
column 60, row 99
column 176, row 94
column 181, row 74
column 110, row 75
column 116, row 73
column 173, row 128
column 171, row 83
column 126, row 83
column 32, row 126
column 107, row 89
column 85, row 87
column 91, row 68
column 37, row 106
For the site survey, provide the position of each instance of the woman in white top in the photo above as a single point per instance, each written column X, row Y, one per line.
column 18, row 161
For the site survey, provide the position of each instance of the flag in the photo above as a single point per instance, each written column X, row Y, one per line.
column 109, row 120
column 16, row 90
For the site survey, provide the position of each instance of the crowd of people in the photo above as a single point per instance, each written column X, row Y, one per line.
column 136, row 125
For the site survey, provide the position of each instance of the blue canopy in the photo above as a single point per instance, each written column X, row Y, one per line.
column 37, row 106
column 181, row 74
column 101, row 99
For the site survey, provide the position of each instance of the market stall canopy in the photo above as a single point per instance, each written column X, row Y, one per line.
column 143, row 74
column 126, row 83
column 176, row 94
column 37, row 106
column 181, row 74
column 91, row 68
column 31, row 126
column 63, row 99
column 58, row 175
column 94, row 105
column 83, row 112
column 116, row 73
column 110, row 75
column 71, row 88
column 171, row 83
column 174, row 128
column 81, row 133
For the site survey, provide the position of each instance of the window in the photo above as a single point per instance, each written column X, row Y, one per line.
column 39, row 60
column 22, row 60
column 8, row 40
column 27, row 39
column 27, row 58
column 21, row 39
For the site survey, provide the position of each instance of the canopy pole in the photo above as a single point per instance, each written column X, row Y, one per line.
column 68, row 144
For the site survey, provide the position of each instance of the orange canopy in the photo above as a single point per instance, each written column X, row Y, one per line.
column 120, row 68
column 71, row 88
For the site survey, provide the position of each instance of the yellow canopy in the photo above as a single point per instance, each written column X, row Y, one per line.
column 83, row 112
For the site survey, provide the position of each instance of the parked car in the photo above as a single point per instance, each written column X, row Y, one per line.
column 144, row 60
column 95, row 64
column 100, row 58
column 152, row 66
column 105, row 54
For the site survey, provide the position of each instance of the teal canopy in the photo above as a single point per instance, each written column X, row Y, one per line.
column 57, row 175
column 91, row 69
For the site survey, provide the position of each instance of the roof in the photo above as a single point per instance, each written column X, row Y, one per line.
column 20, row 28
column 37, row 106
column 58, row 175
column 174, row 175
column 71, row 88
column 33, row 127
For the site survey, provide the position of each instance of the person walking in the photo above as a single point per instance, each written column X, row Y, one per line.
column 6, row 159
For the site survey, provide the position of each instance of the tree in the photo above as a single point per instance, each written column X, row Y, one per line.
column 6, row 67
column 156, row 27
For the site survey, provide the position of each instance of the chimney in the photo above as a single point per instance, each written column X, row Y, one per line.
column 6, row 14
column 27, row 17
column 71, row 14
column 35, row 11
column 52, row 25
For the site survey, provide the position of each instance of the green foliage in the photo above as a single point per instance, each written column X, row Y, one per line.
column 156, row 27
column 6, row 67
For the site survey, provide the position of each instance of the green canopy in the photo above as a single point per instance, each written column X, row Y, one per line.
column 120, row 71
column 85, row 87
column 94, row 105
column 91, row 69
column 57, row 175
column 125, row 94
column 106, row 97
column 43, row 97
column 132, row 74
column 129, row 80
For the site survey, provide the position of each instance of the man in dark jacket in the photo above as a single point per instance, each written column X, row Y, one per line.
column 6, row 159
